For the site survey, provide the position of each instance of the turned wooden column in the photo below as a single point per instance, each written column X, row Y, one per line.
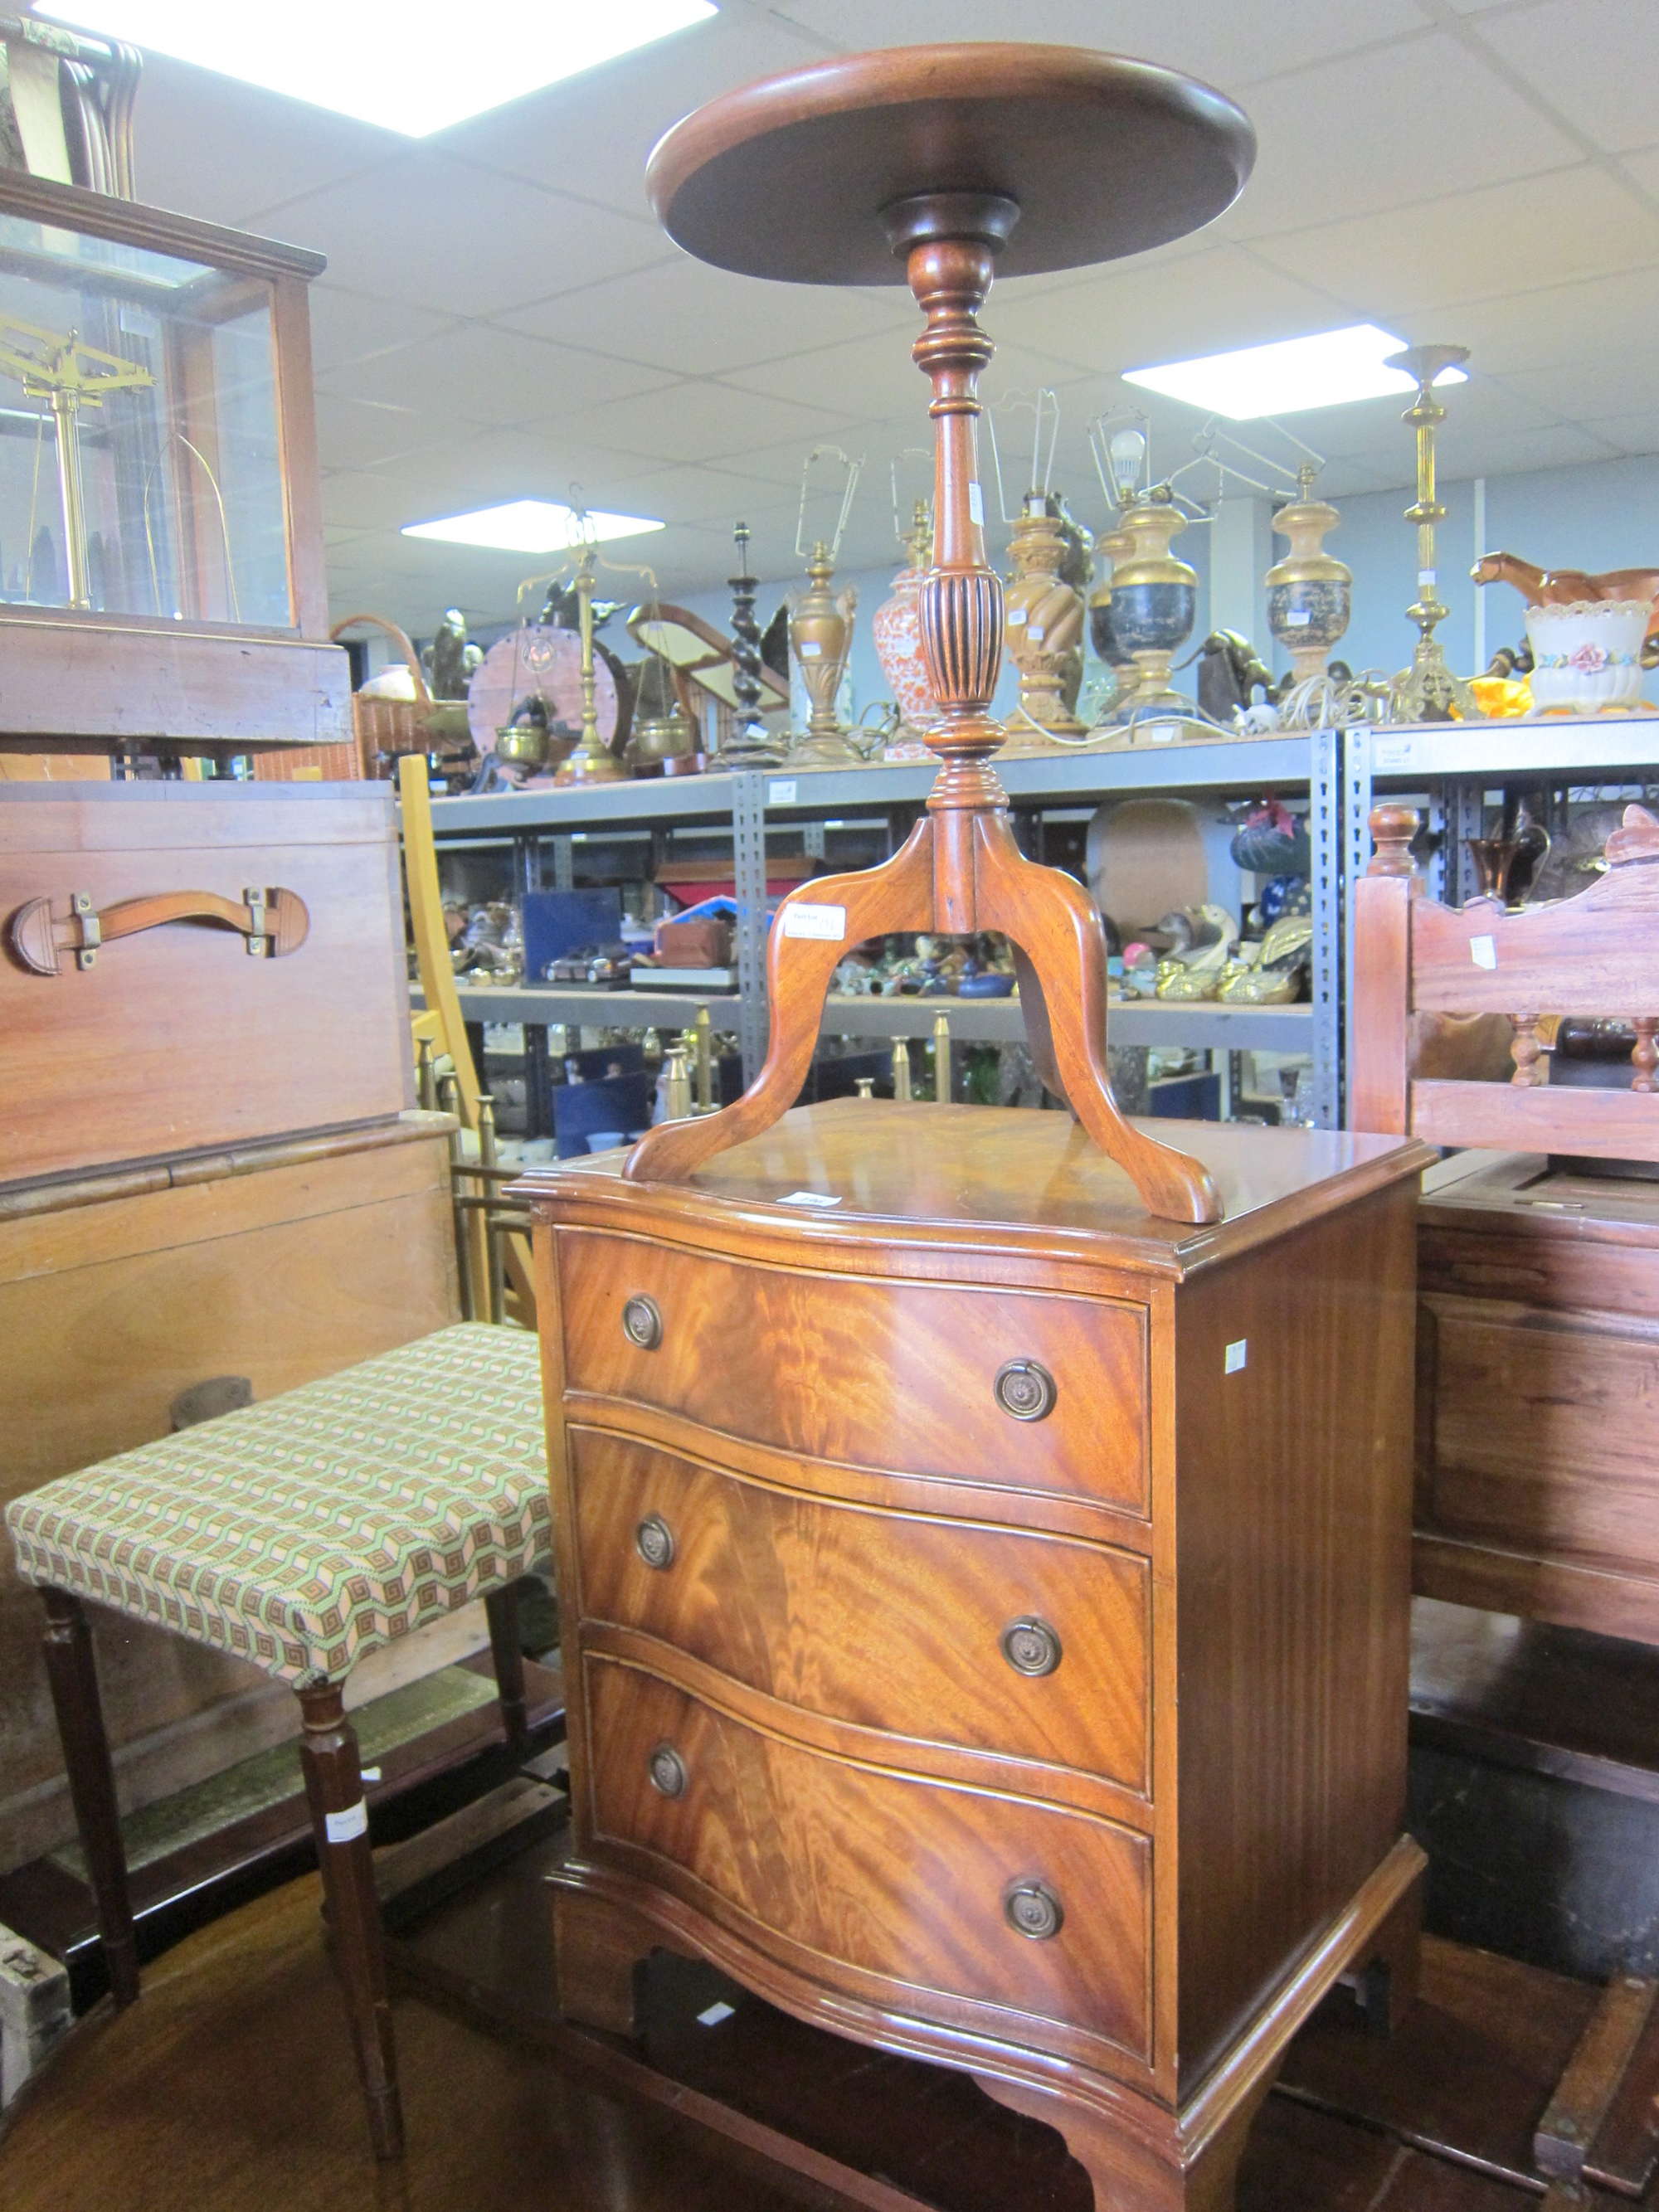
column 950, row 242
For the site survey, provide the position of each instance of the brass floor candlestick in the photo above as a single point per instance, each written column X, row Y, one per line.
column 592, row 761
column 945, row 159
column 1428, row 692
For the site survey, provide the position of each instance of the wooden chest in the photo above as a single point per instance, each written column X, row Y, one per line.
column 148, row 1007
column 989, row 1604
column 1538, row 1454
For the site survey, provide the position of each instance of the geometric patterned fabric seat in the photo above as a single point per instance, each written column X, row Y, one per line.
column 305, row 1532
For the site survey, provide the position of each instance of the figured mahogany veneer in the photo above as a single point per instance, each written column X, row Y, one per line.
column 901, row 1353
column 806, row 1599
column 1068, row 1749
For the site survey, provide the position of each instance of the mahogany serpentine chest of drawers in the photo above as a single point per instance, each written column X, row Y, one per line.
column 985, row 1604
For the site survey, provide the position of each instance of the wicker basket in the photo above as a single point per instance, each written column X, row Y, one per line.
column 382, row 729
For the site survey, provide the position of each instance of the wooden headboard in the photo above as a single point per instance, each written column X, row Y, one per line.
column 1595, row 956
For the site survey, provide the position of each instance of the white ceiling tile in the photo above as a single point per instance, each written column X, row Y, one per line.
column 878, row 375
column 207, row 146
column 347, row 327
column 685, row 317
column 1557, row 446
column 1644, row 167
column 701, row 421
column 1637, row 432
column 1598, row 384
column 484, row 374
column 1629, row 434
column 353, row 434
column 1437, row 120
column 686, row 493
column 1563, row 324
column 1592, row 60
column 591, row 136
column 1218, row 40
column 1203, row 303
column 426, row 229
column 1571, row 223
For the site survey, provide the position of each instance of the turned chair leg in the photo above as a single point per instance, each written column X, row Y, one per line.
column 73, row 1673
column 506, row 1652
column 334, row 1789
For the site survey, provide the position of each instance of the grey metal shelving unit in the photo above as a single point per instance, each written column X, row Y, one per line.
column 539, row 827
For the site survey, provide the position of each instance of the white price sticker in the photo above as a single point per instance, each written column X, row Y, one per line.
column 344, row 1827
column 828, row 922
column 808, row 1198
column 714, row 2014
column 1158, row 734
column 1483, row 950
column 782, row 794
column 1016, row 618
column 1426, row 580
column 1298, row 618
column 976, row 504
column 809, row 648
column 1238, row 1355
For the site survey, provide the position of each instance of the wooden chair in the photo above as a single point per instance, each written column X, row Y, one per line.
column 1537, row 1493
column 300, row 1535
column 444, row 1026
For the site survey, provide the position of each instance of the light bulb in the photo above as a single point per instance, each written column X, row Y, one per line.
column 1126, row 453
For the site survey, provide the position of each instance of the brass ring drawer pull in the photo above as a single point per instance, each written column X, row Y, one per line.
column 1026, row 1389
column 653, row 1540
column 642, row 1323
column 1032, row 1909
column 668, row 1770
column 1030, row 1646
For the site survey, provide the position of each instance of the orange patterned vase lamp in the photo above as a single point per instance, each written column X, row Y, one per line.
column 936, row 166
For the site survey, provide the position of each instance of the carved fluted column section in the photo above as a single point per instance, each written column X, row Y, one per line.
column 950, row 241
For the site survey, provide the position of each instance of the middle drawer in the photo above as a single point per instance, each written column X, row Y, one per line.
column 1021, row 1644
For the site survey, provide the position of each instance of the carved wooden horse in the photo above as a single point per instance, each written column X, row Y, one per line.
column 1560, row 588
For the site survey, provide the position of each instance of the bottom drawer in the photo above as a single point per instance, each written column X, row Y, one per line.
column 985, row 1901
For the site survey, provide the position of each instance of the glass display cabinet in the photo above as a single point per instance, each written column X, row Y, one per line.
column 161, row 577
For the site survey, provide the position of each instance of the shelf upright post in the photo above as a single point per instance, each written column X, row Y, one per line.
column 1329, row 977
column 749, row 856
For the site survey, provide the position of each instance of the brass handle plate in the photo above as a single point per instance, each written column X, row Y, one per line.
column 273, row 921
column 653, row 1540
column 666, row 1770
column 642, row 1323
column 1030, row 1646
column 1032, row 1909
column 1026, row 1389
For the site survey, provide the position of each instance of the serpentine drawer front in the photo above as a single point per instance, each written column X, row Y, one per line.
column 1023, row 1643
column 985, row 1604
column 1001, row 1905
column 1010, row 1389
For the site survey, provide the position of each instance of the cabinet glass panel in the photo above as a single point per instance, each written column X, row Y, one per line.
column 140, row 460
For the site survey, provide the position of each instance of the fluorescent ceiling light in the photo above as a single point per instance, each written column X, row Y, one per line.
column 530, row 526
column 1326, row 370
column 410, row 65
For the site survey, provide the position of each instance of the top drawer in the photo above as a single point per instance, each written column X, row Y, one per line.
column 997, row 1387
column 172, row 1038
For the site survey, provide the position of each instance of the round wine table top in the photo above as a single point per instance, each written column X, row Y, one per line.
column 1104, row 156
